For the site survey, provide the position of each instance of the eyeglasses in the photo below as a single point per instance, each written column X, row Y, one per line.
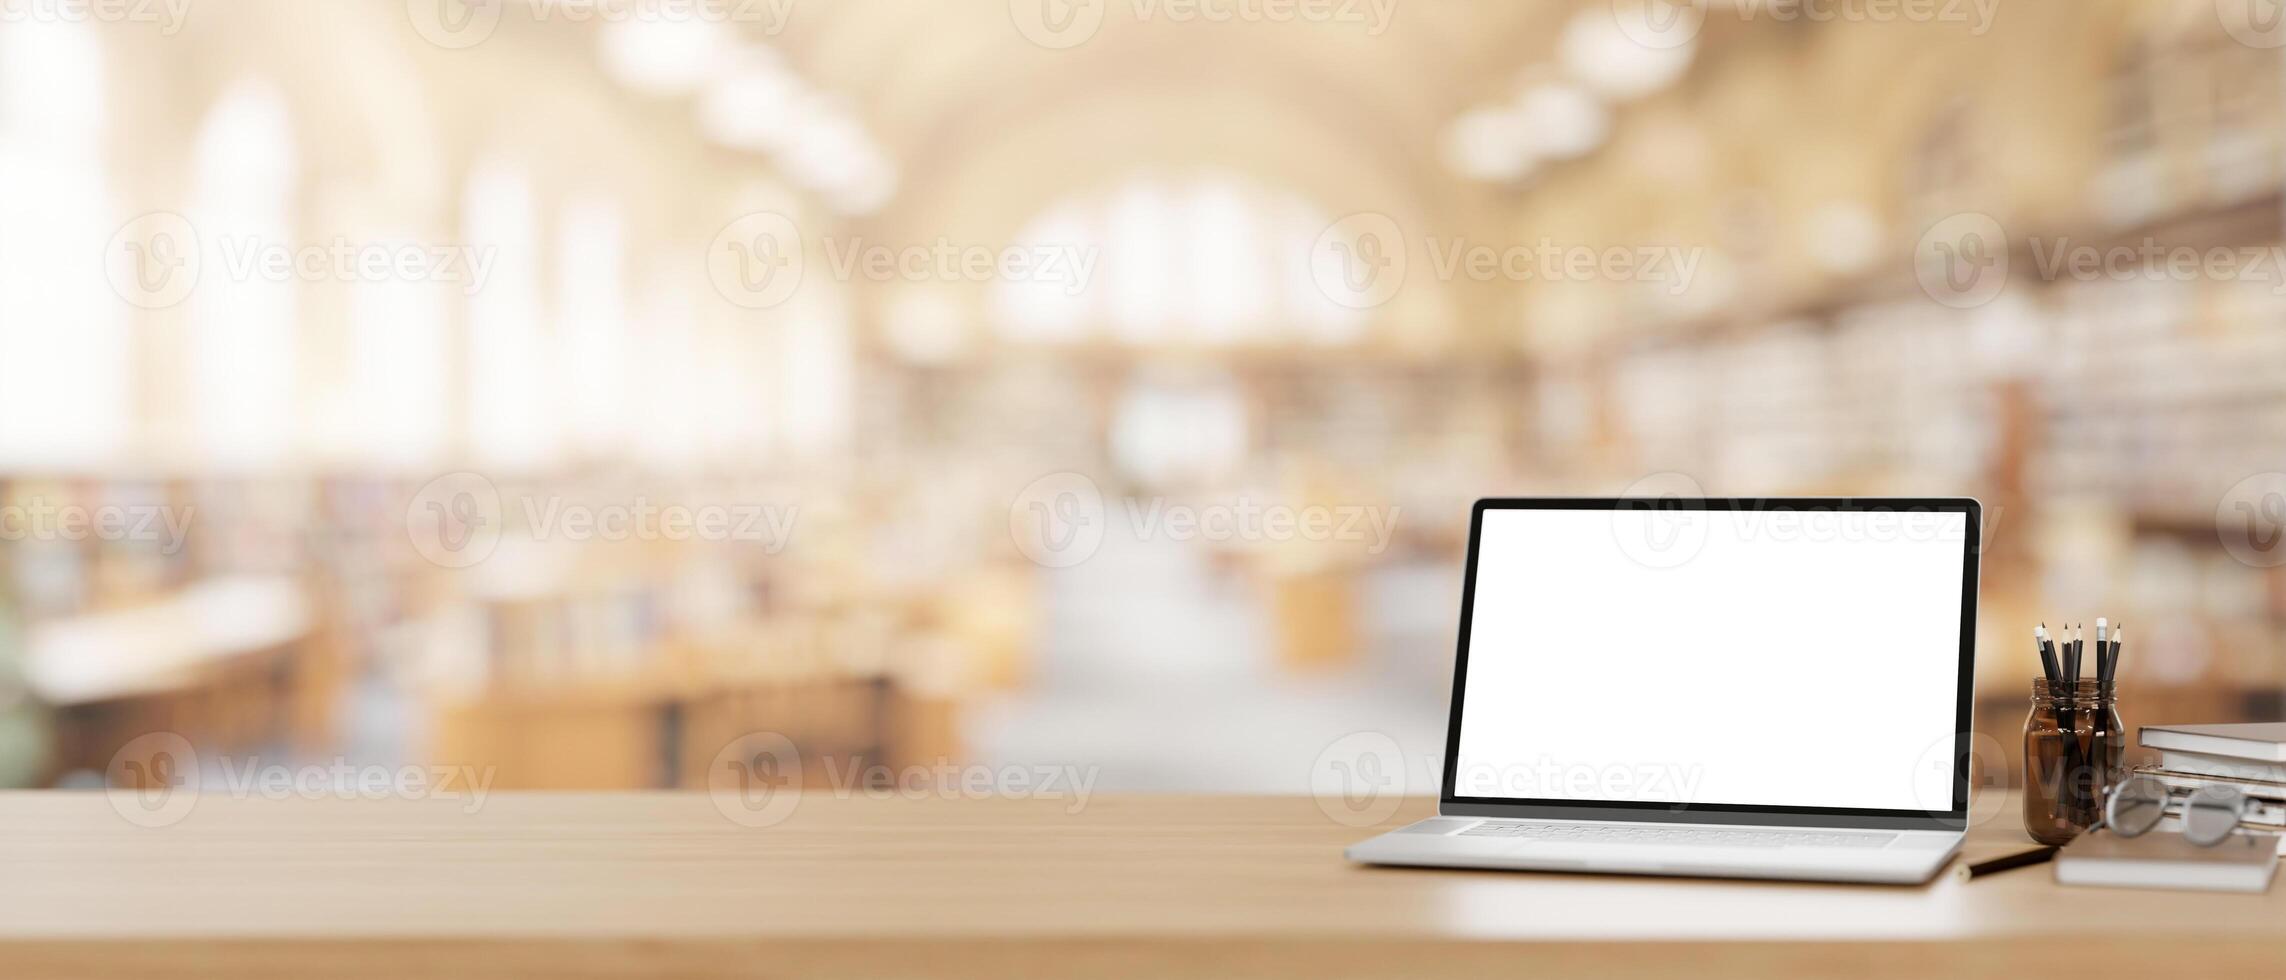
column 2209, row 813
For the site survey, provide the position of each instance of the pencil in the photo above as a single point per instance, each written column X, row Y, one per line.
column 2022, row 859
column 2047, row 650
column 2072, row 663
column 2075, row 758
column 2107, row 668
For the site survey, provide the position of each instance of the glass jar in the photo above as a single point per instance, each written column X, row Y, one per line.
column 2075, row 751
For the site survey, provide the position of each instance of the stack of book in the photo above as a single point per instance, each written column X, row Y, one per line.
column 2248, row 758
column 2251, row 757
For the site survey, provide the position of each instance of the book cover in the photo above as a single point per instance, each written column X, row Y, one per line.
column 2255, row 741
column 2252, row 775
column 2163, row 860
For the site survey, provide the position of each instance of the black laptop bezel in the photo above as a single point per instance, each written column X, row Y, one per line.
column 1953, row 819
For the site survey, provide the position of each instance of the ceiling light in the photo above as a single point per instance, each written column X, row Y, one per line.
column 1489, row 144
column 1603, row 56
column 661, row 56
column 865, row 187
column 750, row 105
column 1844, row 237
column 1562, row 121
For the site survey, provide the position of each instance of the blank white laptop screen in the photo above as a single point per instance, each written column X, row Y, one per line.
column 1765, row 658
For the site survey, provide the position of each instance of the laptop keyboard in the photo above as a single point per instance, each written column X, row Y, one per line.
column 1695, row 836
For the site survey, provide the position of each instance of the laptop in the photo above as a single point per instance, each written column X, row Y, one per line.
column 1751, row 688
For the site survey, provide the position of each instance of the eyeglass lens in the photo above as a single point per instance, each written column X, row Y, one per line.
column 2136, row 806
column 2211, row 814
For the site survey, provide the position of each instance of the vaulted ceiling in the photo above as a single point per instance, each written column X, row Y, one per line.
column 988, row 126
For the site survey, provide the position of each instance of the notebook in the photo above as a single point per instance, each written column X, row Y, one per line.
column 2243, row 863
column 2254, row 742
column 2201, row 764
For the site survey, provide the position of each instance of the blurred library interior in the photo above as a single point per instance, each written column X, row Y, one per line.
column 568, row 387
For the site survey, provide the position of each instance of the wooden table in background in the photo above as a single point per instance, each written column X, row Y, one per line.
column 580, row 885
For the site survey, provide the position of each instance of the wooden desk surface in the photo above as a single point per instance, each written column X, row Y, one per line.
column 608, row 885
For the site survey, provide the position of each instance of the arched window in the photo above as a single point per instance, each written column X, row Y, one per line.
column 242, row 355
column 818, row 380
column 65, row 377
column 512, row 420
column 667, row 359
column 591, row 321
column 1180, row 430
column 1051, row 309
column 400, row 396
column 1213, row 261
